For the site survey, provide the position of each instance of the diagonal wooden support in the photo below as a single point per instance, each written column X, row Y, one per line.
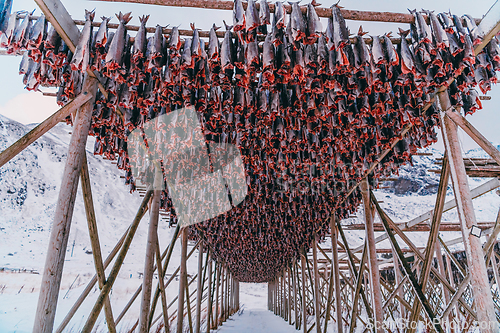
column 474, row 134
column 456, row 296
column 353, row 266
column 94, row 279
column 411, row 276
column 116, row 267
column 94, row 240
column 359, row 289
column 475, row 193
column 52, row 274
column 44, row 127
column 431, row 242
column 477, row 268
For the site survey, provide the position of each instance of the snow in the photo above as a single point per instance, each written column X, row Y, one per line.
column 253, row 315
column 28, row 194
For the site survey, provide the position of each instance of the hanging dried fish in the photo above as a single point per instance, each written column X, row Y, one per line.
column 81, row 57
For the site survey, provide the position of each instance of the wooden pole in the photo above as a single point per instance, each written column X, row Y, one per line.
column 188, row 308
column 44, row 127
column 94, row 240
column 199, row 288
column 217, row 295
column 304, row 301
column 431, row 241
column 477, row 268
column 336, row 273
column 372, row 258
column 317, row 306
column 288, row 273
column 147, row 279
column 52, row 274
column 92, row 282
column 411, row 276
column 116, row 266
column 295, row 291
column 161, row 286
column 209, row 297
column 167, row 254
column 182, row 280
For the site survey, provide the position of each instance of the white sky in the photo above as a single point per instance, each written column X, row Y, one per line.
column 29, row 107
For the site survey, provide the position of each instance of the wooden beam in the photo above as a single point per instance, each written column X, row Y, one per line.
column 479, row 278
column 92, row 282
column 199, row 289
column 149, row 260
column 413, row 279
column 209, row 296
column 161, row 286
column 356, row 15
column 475, row 193
column 474, row 134
column 372, row 258
column 443, row 227
column 489, row 25
column 54, row 262
column 44, row 127
column 89, row 324
column 94, row 240
column 317, row 309
column 431, row 241
column 182, row 280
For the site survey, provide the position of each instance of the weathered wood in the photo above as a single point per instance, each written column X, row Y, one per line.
column 217, row 294
column 359, row 290
column 166, row 255
column 475, row 193
column 411, row 276
column 188, row 308
column 58, row 16
column 89, row 324
column 479, row 278
column 443, row 227
column 456, row 296
column 288, row 273
column 336, row 273
column 431, row 241
column 149, row 261
column 372, row 258
column 209, row 296
column 54, row 262
column 161, row 286
column 304, row 300
column 92, row 282
column 44, row 127
column 489, row 26
column 199, row 289
column 474, row 134
column 317, row 309
column 356, row 15
column 94, row 240
column 182, row 280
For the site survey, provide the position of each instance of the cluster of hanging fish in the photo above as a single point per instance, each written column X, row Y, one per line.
column 309, row 107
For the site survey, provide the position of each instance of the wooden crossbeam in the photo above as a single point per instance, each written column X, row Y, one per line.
column 44, row 127
column 356, row 15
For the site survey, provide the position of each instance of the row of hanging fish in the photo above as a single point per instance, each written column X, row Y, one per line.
column 309, row 107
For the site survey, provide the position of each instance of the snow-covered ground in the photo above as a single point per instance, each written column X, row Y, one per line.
column 253, row 315
column 28, row 193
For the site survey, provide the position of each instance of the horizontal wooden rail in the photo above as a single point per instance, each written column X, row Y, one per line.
column 355, row 15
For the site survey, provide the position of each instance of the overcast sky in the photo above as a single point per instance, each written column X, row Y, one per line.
column 29, row 107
